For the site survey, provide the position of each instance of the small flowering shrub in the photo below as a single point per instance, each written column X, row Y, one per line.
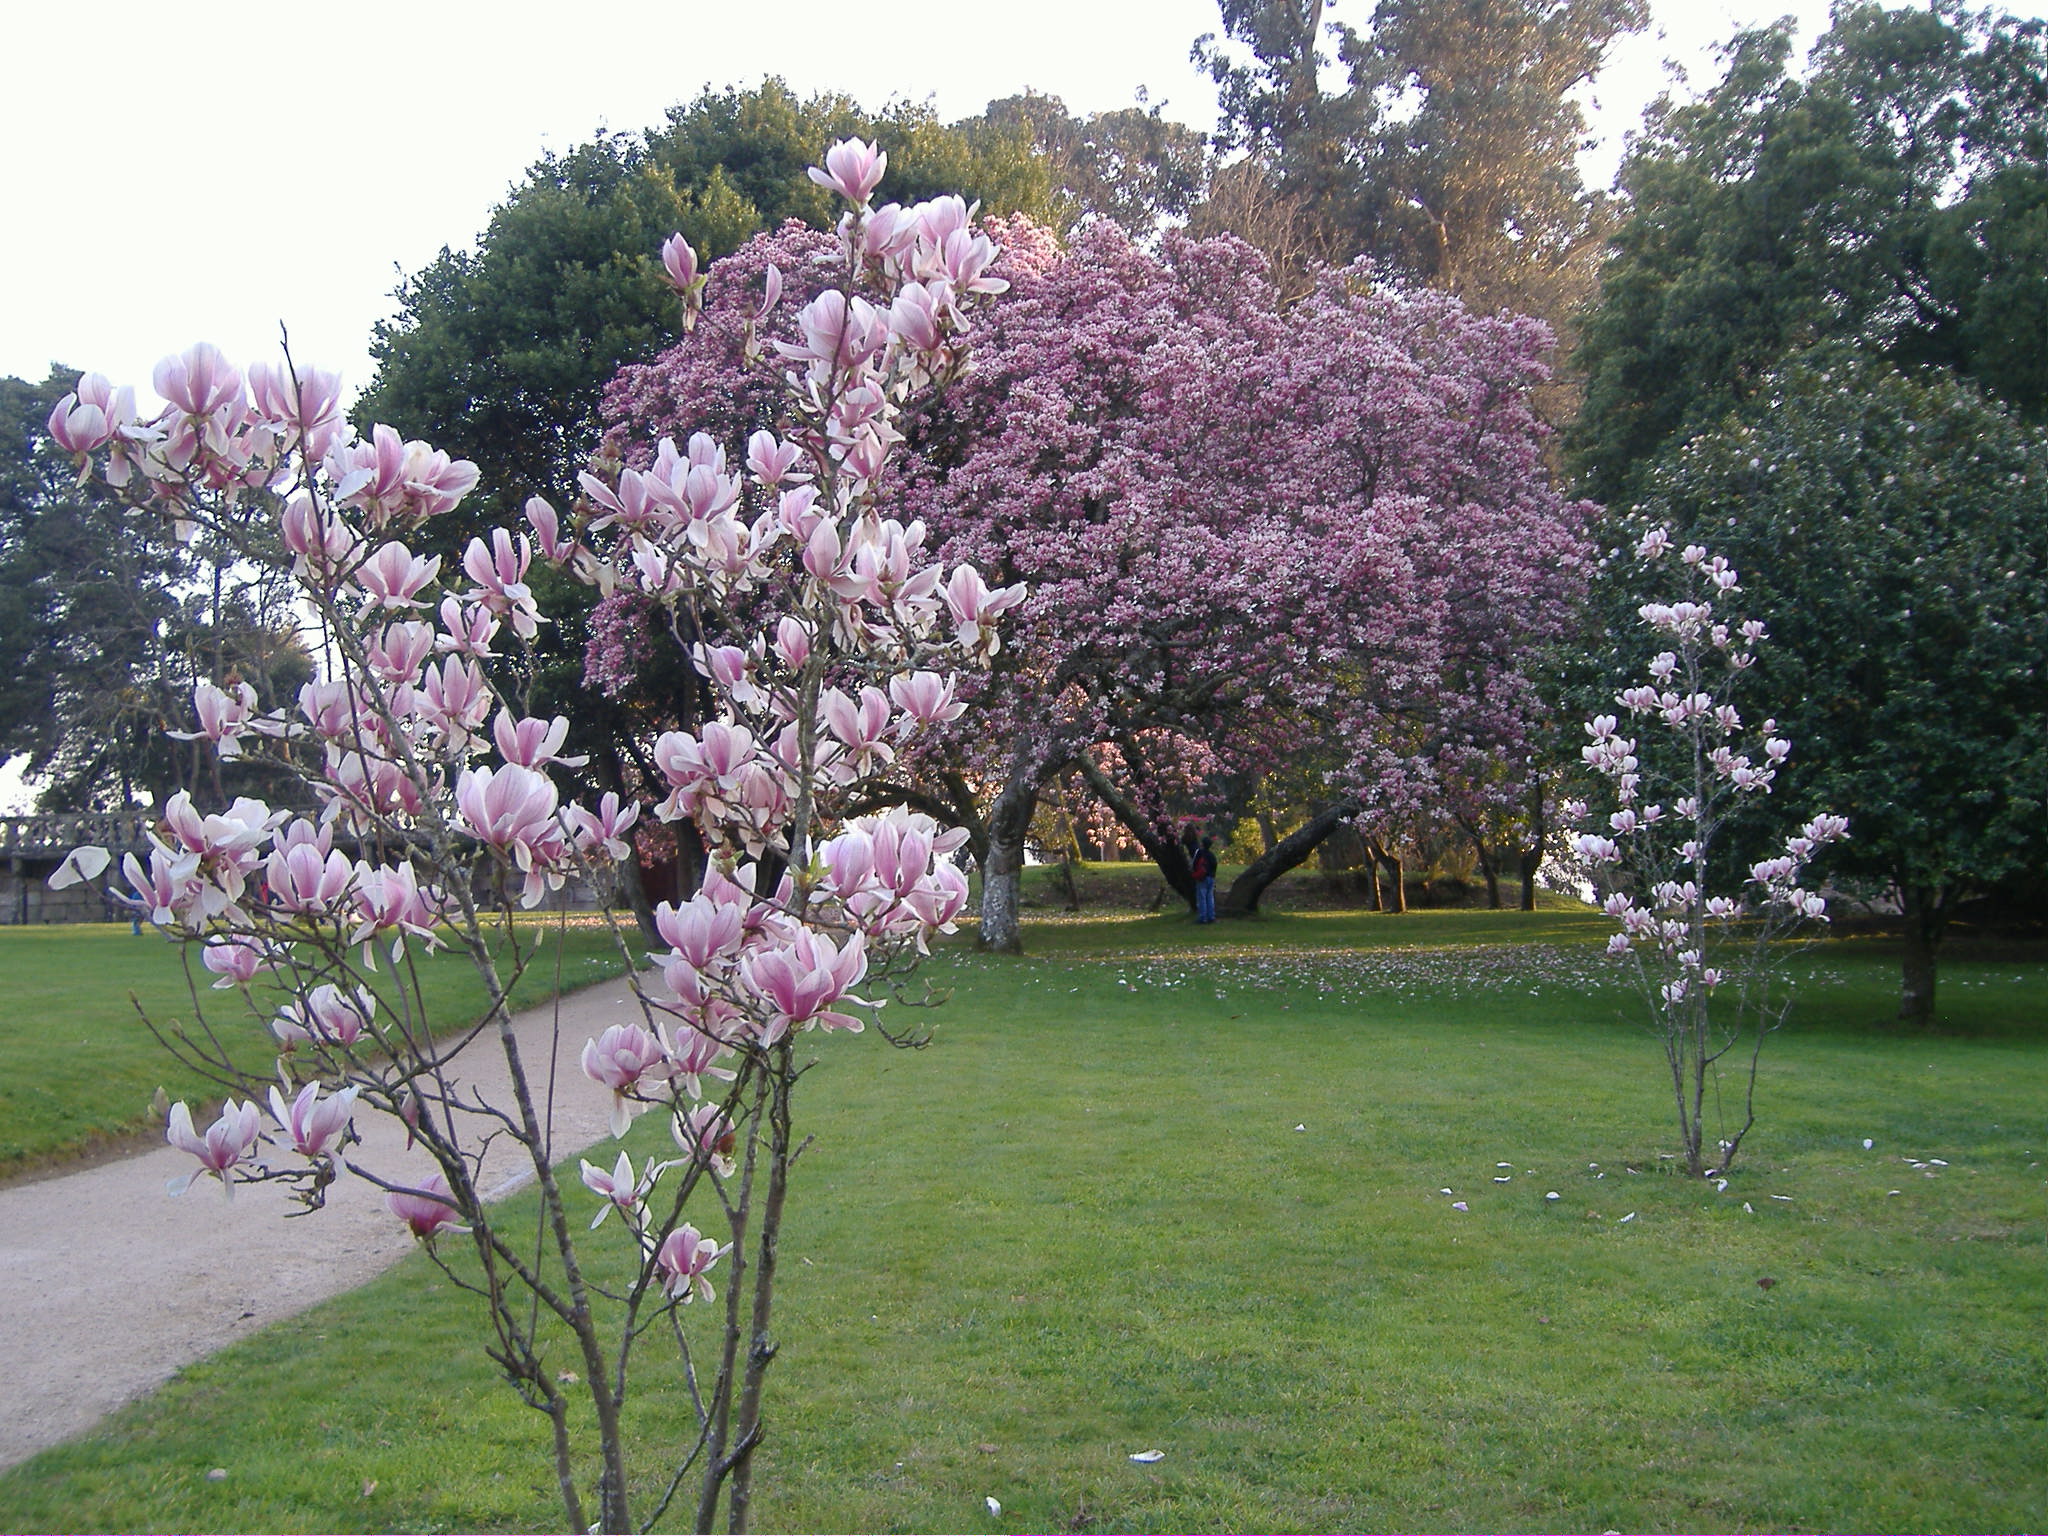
column 1705, row 959
column 827, row 639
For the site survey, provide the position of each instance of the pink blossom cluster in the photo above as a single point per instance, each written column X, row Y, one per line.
column 1238, row 523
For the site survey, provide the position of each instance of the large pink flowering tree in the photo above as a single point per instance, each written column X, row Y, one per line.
column 827, row 639
column 1251, row 535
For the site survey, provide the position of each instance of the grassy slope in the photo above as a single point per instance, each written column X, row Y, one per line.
column 1082, row 1224
column 78, row 1066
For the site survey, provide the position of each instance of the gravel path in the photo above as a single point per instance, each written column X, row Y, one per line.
column 108, row 1286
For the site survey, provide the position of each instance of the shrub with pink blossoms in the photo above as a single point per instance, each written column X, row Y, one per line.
column 1679, row 771
column 839, row 641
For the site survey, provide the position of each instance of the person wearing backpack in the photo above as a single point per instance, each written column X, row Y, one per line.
column 1203, row 867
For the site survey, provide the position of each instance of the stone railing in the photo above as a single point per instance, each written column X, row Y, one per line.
column 51, row 837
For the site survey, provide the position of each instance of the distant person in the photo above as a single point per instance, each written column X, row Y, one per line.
column 1203, row 867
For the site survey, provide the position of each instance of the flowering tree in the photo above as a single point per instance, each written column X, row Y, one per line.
column 440, row 820
column 1705, row 962
column 1241, row 526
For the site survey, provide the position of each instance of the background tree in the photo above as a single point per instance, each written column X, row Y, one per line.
column 1448, row 155
column 1134, row 166
column 1239, row 525
column 1893, row 198
column 507, row 348
column 1892, row 531
column 107, row 621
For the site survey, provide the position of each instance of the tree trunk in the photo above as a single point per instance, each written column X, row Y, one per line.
column 1530, row 856
column 1160, row 845
column 1383, row 860
column 1002, row 871
column 1242, row 899
column 1925, row 911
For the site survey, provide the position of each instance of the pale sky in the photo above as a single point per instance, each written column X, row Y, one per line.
column 211, row 169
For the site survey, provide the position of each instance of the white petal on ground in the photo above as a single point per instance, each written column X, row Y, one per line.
column 1148, row 1457
column 1550, row 1194
column 1459, row 1205
column 993, row 1507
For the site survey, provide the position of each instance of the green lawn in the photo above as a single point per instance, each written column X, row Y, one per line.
column 78, row 1066
column 1186, row 1196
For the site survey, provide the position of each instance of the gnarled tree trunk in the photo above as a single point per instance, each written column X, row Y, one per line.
column 1242, row 899
column 1159, row 843
column 1386, row 861
column 1002, row 869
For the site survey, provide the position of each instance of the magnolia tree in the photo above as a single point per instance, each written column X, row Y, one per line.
column 439, row 820
column 1241, row 526
column 1703, row 950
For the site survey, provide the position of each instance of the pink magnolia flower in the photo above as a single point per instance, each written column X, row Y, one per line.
column 235, row 960
column 326, row 1014
column 316, row 1126
column 388, row 898
column 467, row 628
column 771, row 460
column 696, row 1056
column 706, row 1136
column 320, row 542
column 394, row 576
column 622, row 1191
column 547, row 527
column 198, row 381
column 226, row 1142
column 622, row 1058
column 398, row 651
column 499, row 571
column 428, row 1209
column 975, row 607
column 853, row 169
column 604, row 828
column 91, row 416
column 682, row 1261
column 679, row 266
column 303, row 882
column 223, row 717
column 701, row 931
column 533, row 743
column 508, row 809
column 307, row 407
column 801, row 979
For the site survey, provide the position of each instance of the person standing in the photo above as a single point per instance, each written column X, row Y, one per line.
column 1203, row 867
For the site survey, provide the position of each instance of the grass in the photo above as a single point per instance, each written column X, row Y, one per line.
column 1084, row 1223
column 78, row 1066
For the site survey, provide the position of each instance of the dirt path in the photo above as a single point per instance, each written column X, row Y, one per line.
column 108, row 1285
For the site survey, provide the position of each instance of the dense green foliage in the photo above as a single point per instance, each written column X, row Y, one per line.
column 1449, row 155
column 1895, row 197
column 502, row 352
column 1893, row 531
column 106, row 621
column 1084, row 1224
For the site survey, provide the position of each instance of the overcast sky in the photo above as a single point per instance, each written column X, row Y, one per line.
column 211, row 169
column 214, row 168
